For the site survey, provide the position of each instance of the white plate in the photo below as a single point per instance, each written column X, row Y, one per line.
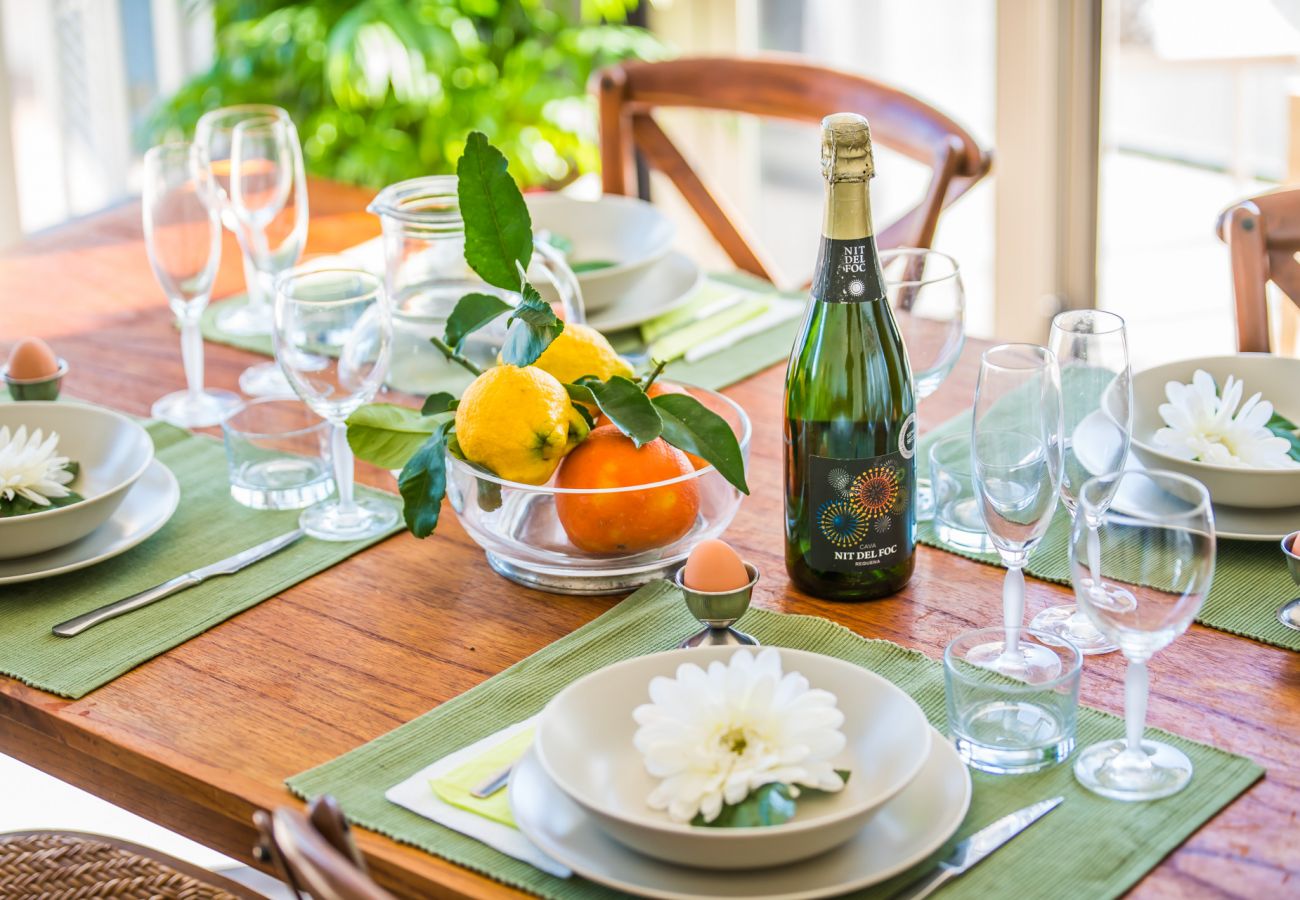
column 669, row 283
column 147, row 507
column 905, row 831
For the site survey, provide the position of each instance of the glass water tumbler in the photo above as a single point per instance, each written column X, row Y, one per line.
column 278, row 455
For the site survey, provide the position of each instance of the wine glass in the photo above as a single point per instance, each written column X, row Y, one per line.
column 925, row 291
column 216, row 132
column 333, row 338
column 1016, row 472
column 1157, row 558
column 1097, row 396
column 183, row 240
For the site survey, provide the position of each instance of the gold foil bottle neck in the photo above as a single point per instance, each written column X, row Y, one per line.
column 846, row 148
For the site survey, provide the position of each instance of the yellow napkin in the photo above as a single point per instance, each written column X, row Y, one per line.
column 455, row 786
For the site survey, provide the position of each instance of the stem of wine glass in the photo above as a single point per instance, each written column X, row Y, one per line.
column 1013, row 608
column 341, row 456
column 1094, row 556
column 1136, row 686
column 192, row 353
column 252, row 277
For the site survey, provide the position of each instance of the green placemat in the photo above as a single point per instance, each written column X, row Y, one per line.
column 726, row 367
column 208, row 526
column 1250, row 577
column 1090, row 847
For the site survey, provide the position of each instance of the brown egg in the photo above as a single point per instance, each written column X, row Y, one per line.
column 713, row 566
column 32, row 358
column 1295, row 544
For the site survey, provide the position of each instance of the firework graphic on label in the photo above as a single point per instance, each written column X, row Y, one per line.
column 841, row 523
column 876, row 492
column 882, row 524
column 840, row 480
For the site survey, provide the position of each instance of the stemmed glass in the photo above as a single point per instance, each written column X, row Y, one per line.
column 183, row 240
column 216, row 131
column 1097, row 390
column 926, row 294
column 334, row 339
column 1016, row 473
column 1158, row 563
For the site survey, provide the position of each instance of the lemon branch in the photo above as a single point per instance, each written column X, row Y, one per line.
column 654, row 373
column 455, row 357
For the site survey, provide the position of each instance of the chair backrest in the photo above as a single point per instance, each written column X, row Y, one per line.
column 314, row 852
column 1263, row 237
column 781, row 88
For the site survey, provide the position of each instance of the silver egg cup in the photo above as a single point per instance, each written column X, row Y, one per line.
column 718, row 610
column 1289, row 613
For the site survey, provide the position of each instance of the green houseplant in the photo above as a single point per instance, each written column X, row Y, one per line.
column 384, row 90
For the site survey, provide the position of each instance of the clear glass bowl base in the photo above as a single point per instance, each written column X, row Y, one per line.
column 579, row 581
column 1103, row 769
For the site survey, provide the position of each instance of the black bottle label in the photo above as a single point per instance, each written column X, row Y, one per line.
column 862, row 512
column 847, row 271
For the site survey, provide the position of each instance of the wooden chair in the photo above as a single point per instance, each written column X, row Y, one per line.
column 314, row 853
column 782, row 88
column 1263, row 237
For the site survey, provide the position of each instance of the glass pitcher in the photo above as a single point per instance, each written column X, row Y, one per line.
column 426, row 274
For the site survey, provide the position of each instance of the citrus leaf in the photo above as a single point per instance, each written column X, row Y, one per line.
column 531, row 328
column 498, row 229
column 389, row 435
column 627, row 407
column 423, row 483
column 440, row 402
column 691, row 426
column 580, row 393
column 472, row 312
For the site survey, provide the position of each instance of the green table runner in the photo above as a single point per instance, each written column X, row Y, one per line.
column 1250, row 577
column 1090, row 847
column 208, row 526
column 726, row 367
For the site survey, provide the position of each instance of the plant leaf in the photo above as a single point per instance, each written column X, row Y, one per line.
column 770, row 804
column 498, row 229
column 472, row 312
column 440, row 402
column 628, row 408
column 1289, row 434
column 580, row 393
column 389, row 435
column 531, row 328
column 1280, row 421
column 423, row 483
column 691, row 426
column 21, row 506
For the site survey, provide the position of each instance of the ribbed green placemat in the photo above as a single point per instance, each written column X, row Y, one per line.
column 1090, row 847
column 1250, row 577
column 208, row 526
column 726, row 367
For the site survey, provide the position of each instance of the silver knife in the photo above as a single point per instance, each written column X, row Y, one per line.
column 976, row 847
column 229, row 566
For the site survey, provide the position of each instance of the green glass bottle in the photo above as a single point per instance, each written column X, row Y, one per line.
column 850, row 407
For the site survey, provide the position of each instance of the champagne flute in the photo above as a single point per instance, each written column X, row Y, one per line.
column 1158, row 562
column 183, row 240
column 268, row 196
column 925, row 291
column 1016, row 473
column 216, row 132
column 334, row 338
column 1097, row 391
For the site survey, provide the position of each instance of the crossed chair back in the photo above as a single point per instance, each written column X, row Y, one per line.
column 629, row 93
column 1263, row 237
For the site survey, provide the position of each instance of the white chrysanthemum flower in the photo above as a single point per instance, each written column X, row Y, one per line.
column 29, row 467
column 712, row 737
column 1205, row 426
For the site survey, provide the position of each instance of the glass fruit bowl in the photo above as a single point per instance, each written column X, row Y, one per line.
column 525, row 529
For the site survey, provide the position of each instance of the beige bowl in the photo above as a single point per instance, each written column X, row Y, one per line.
column 1275, row 377
column 584, row 742
column 113, row 453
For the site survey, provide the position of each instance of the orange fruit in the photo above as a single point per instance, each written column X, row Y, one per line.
column 662, row 387
column 625, row 521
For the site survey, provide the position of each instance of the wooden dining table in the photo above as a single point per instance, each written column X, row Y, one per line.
column 203, row 735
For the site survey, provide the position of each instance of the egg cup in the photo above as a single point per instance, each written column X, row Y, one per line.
column 1289, row 613
column 718, row 610
column 44, row 388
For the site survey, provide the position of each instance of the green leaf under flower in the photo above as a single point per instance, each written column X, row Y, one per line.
column 771, row 804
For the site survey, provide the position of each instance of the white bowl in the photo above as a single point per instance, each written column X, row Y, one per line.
column 1276, row 377
column 112, row 451
column 625, row 231
column 584, row 742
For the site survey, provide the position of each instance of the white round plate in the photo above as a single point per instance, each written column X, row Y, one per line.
column 147, row 507
column 1231, row 522
column 669, row 283
column 903, row 833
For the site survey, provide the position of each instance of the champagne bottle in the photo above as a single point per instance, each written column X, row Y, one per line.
column 850, row 420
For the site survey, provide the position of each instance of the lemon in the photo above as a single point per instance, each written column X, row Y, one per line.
column 579, row 350
column 518, row 423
